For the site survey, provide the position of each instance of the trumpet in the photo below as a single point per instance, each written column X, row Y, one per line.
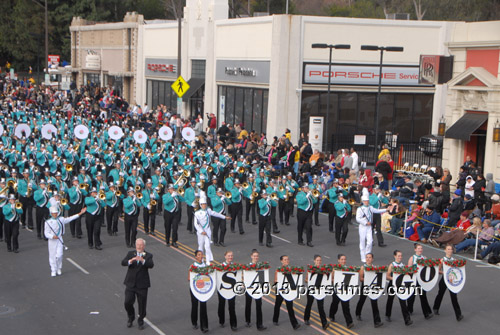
column 139, row 196
column 19, row 205
column 69, row 167
column 102, row 195
column 137, row 188
column 64, row 202
column 387, row 194
column 228, row 195
column 351, row 201
column 181, row 191
column 274, row 196
column 186, row 173
column 345, row 186
column 245, row 185
column 241, row 170
column 210, row 169
column 84, row 186
column 4, row 167
column 118, row 193
column 315, row 193
column 281, row 188
column 153, row 202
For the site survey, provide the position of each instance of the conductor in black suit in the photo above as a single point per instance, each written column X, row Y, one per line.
column 137, row 281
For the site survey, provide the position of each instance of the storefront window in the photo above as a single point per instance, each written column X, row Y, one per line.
column 422, row 107
column 403, row 116
column 158, row 92
column 386, row 113
column 93, row 79
column 245, row 105
column 347, row 113
column 366, row 114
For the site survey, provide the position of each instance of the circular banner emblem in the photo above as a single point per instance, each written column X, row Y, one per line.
column 202, row 286
column 454, row 278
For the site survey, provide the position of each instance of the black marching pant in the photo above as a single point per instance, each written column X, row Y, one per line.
column 171, row 222
column 11, row 230
column 142, row 298
column 75, row 226
column 194, row 312
column 289, row 308
column 1, row 225
column 248, row 309
column 42, row 213
column 316, row 213
column 232, row 311
column 131, row 228
column 290, row 205
column 453, row 296
column 374, row 303
column 424, row 303
column 190, row 214
column 331, row 215
column 265, row 225
column 93, row 223
column 149, row 219
column 112, row 218
column 27, row 211
column 345, row 309
column 219, row 224
column 250, row 208
column 304, row 222
column 321, row 309
column 402, row 303
column 341, row 229
column 273, row 219
column 281, row 209
column 236, row 210
column 377, row 223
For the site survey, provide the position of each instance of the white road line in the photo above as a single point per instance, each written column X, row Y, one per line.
column 77, row 266
column 279, row 238
column 156, row 329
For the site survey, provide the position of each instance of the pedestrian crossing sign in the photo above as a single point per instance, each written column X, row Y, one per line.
column 180, row 86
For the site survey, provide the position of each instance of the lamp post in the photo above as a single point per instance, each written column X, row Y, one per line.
column 377, row 108
column 44, row 6
column 331, row 47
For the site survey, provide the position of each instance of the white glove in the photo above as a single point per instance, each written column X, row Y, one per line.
column 174, row 194
column 121, row 174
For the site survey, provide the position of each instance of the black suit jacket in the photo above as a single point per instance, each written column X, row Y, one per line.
column 137, row 274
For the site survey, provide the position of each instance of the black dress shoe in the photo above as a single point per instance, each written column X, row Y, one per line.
column 242, row 232
column 168, row 244
column 261, row 244
column 307, row 323
column 459, row 318
column 382, row 245
column 234, row 328
column 91, row 247
column 276, row 232
column 317, row 224
column 436, row 311
column 153, row 233
column 39, row 237
column 195, row 326
column 80, row 236
column 350, row 325
column 216, row 244
column 233, row 231
column 98, row 247
column 408, row 322
column 287, row 224
column 129, row 323
column 388, row 319
column 204, row 330
column 221, row 325
column 358, row 317
column 254, row 222
column 269, row 245
column 261, row 328
column 16, row 251
column 297, row 326
column 9, row 250
column 222, row 244
column 141, row 326
column 248, row 325
column 379, row 324
column 427, row 317
column 309, row 244
column 276, row 323
column 326, row 325
column 301, row 243
column 175, row 245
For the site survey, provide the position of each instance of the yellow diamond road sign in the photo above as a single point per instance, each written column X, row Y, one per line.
column 180, row 86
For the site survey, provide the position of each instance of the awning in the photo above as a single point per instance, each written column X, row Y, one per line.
column 194, row 85
column 466, row 125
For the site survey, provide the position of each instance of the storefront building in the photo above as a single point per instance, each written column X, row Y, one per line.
column 473, row 100
column 105, row 54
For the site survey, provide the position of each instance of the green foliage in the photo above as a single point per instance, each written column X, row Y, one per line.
column 360, row 9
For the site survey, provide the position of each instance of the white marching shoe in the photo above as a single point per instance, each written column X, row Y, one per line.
column 59, row 272
column 52, row 274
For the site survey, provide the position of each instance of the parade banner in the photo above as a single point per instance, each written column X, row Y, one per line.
column 454, row 275
column 317, row 283
column 374, row 283
column 257, row 283
column 202, row 285
column 226, row 282
column 346, row 284
column 288, row 280
column 428, row 273
column 404, row 284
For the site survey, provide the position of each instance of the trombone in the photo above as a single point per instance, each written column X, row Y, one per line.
column 315, row 193
column 274, row 196
column 153, row 202
column 281, row 188
column 181, row 191
column 102, row 195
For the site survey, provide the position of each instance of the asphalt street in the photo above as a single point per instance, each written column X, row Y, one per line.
column 88, row 297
